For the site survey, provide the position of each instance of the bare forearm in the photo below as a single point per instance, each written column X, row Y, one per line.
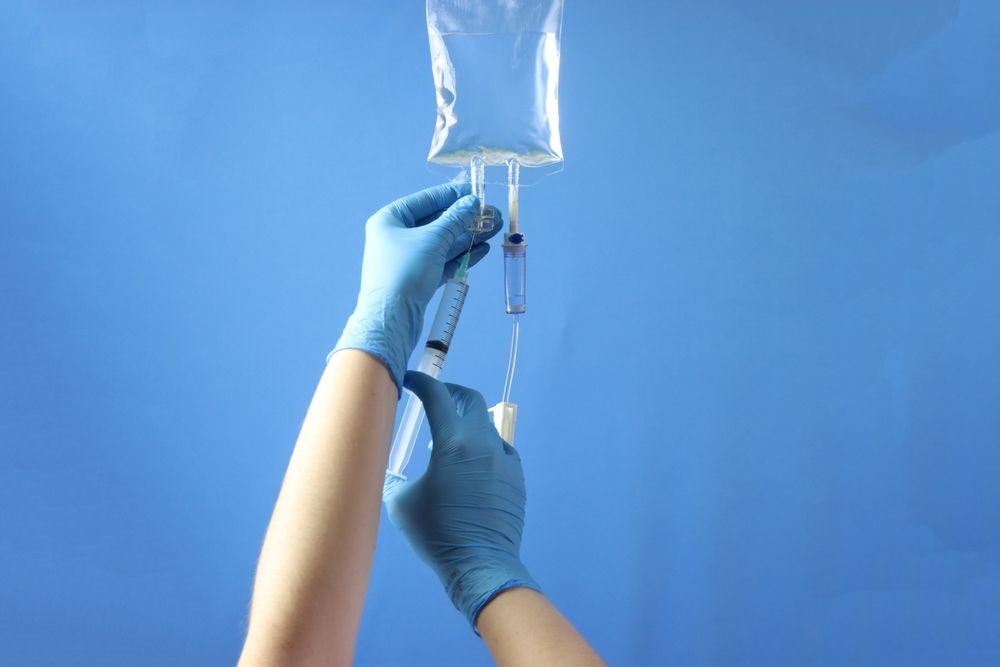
column 521, row 627
column 317, row 555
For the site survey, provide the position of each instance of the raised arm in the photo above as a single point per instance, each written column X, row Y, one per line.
column 521, row 627
column 317, row 554
column 465, row 516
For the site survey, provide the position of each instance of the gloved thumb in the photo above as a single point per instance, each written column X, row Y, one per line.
column 440, row 409
column 392, row 491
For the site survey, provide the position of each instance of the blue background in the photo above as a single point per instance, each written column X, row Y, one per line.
column 759, row 377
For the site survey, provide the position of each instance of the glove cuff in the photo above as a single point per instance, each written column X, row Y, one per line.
column 386, row 327
column 476, row 587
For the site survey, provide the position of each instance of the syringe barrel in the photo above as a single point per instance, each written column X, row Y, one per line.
column 515, row 255
column 431, row 363
column 406, row 436
column 446, row 318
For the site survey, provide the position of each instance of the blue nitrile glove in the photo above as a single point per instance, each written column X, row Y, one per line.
column 412, row 246
column 464, row 516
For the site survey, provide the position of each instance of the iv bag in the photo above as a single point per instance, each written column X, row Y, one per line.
column 496, row 79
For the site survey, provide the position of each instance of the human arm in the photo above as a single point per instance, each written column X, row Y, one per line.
column 316, row 559
column 522, row 627
column 317, row 554
column 465, row 517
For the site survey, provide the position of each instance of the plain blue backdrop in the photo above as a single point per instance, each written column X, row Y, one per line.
column 759, row 378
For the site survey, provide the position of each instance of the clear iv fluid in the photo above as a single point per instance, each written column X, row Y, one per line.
column 504, row 103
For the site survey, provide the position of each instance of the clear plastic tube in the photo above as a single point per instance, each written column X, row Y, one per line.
column 512, row 359
column 486, row 219
column 515, row 246
column 513, row 194
column 477, row 177
column 514, row 275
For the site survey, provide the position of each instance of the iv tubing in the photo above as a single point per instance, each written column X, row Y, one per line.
column 512, row 360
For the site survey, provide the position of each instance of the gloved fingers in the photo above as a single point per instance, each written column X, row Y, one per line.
column 463, row 237
column 426, row 204
column 436, row 399
column 478, row 251
column 452, row 227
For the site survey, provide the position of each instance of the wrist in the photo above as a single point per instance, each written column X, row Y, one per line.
column 475, row 587
column 387, row 327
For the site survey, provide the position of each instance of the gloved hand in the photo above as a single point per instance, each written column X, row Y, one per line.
column 464, row 516
column 412, row 246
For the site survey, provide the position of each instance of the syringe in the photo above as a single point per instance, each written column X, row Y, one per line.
column 431, row 362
